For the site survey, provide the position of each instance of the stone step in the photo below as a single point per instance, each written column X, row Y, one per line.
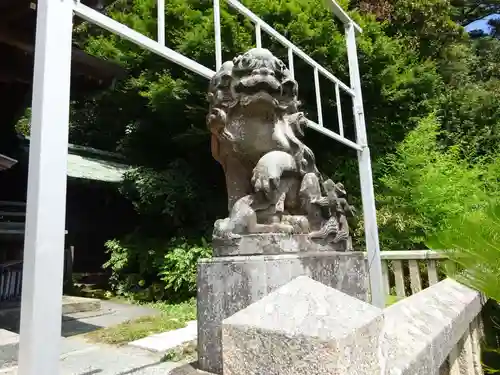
column 12, row 232
column 11, row 225
column 12, row 204
column 5, row 214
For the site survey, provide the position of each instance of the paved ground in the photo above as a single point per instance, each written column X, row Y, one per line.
column 79, row 357
column 110, row 314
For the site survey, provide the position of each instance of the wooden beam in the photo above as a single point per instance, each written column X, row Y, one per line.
column 14, row 12
column 83, row 63
column 7, row 77
column 6, row 162
column 18, row 67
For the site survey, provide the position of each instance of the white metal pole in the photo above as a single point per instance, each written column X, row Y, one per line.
column 40, row 334
column 318, row 97
column 291, row 67
column 365, row 174
column 339, row 110
column 258, row 36
column 161, row 22
column 218, row 41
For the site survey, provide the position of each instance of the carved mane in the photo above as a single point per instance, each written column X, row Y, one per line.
column 258, row 72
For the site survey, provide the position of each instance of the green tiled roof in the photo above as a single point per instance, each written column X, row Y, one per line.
column 92, row 164
column 92, row 168
column 6, row 162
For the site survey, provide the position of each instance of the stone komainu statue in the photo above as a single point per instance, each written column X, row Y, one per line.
column 273, row 184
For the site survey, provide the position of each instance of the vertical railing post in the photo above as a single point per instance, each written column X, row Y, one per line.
column 291, row 66
column 365, row 174
column 40, row 333
column 258, row 36
column 339, row 110
column 161, row 21
column 218, row 41
column 318, row 97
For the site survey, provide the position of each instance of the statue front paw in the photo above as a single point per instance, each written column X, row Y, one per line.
column 224, row 230
column 264, row 181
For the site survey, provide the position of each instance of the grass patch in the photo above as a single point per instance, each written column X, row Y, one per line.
column 391, row 300
column 172, row 316
column 186, row 352
column 90, row 291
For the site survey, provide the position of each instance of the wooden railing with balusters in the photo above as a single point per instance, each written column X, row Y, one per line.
column 12, row 228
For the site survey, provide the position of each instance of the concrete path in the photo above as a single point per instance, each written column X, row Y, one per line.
column 79, row 357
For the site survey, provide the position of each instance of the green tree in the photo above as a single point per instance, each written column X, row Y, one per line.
column 473, row 240
column 495, row 25
column 470, row 116
column 425, row 185
column 156, row 116
column 466, row 11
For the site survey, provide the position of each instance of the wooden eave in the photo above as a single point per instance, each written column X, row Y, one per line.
column 17, row 40
column 6, row 162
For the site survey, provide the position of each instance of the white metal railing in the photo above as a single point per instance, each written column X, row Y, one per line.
column 159, row 48
column 317, row 68
column 135, row 37
column 46, row 202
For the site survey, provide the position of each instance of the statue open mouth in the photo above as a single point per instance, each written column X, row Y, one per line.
column 258, row 83
column 259, row 88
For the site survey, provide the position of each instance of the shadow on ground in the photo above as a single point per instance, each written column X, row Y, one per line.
column 70, row 326
column 188, row 369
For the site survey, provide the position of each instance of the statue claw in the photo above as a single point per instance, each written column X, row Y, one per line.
column 263, row 182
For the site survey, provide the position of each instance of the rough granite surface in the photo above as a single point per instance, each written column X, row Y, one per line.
column 227, row 285
column 304, row 328
column 420, row 331
column 272, row 244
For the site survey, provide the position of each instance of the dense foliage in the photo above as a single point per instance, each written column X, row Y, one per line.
column 474, row 240
column 154, row 269
column 425, row 186
column 432, row 103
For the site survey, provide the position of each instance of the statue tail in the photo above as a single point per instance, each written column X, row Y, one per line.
column 330, row 227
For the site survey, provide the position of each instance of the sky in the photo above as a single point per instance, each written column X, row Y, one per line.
column 481, row 24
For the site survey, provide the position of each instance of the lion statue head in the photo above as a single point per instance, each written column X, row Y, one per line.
column 254, row 109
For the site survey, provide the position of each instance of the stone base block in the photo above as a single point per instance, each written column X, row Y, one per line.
column 303, row 328
column 227, row 285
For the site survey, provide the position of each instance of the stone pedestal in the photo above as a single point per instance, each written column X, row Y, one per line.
column 303, row 328
column 228, row 284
